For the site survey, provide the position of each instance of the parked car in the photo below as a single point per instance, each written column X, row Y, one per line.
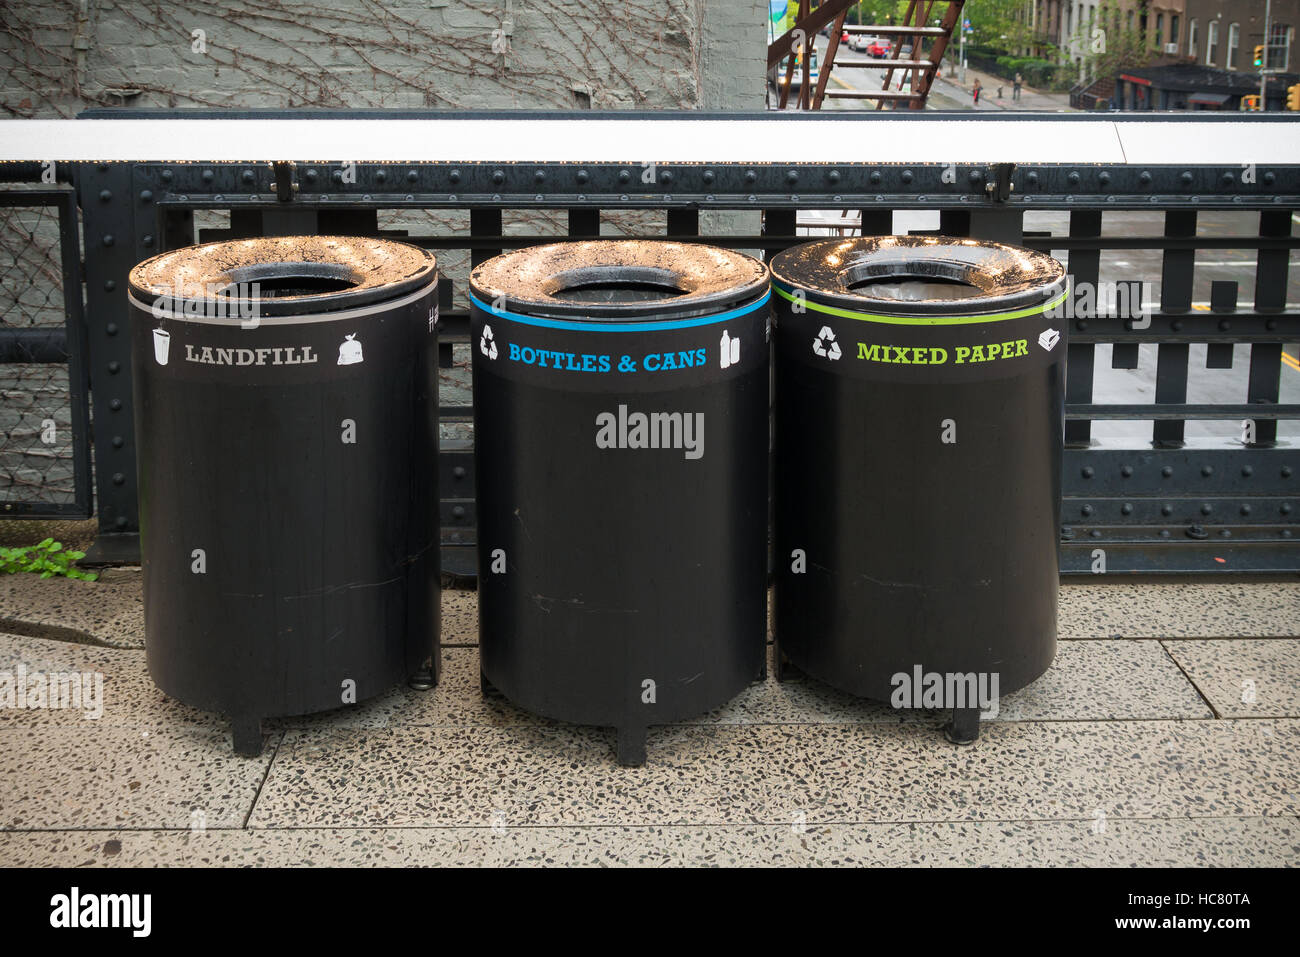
column 776, row 75
column 858, row 42
column 879, row 49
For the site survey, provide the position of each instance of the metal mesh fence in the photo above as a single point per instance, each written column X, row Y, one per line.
column 36, row 434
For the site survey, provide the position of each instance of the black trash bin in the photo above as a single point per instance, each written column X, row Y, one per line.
column 621, row 448
column 919, row 413
column 286, row 421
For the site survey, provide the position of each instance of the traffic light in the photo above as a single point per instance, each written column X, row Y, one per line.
column 1249, row 103
column 1293, row 97
column 1259, row 55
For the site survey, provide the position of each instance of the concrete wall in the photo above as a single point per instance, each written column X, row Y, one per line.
column 58, row 57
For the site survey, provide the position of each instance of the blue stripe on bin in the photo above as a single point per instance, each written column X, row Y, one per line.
column 590, row 326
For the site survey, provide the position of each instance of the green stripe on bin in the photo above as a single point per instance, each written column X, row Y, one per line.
column 922, row 320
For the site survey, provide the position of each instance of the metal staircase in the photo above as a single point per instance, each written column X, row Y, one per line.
column 916, row 30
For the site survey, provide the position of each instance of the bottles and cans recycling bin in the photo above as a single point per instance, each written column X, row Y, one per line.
column 919, row 418
column 286, row 422
column 621, row 438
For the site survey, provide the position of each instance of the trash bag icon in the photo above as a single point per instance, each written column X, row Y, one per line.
column 1048, row 339
column 825, row 345
column 487, row 344
column 350, row 351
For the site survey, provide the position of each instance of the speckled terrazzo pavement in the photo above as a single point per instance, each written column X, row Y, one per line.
column 1180, row 610
column 752, row 774
column 1244, row 678
column 108, row 612
column 1132, row 751
column 1120, row 843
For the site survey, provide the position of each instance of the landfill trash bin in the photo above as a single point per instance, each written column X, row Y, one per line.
column 286, row 411
column 621, row 442
column 919, row 418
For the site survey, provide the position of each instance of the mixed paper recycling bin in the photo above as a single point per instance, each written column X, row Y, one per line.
column 621, row 441
column 919, row 407
column 286, row 421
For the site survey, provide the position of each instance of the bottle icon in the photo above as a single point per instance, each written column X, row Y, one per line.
column 729, row 349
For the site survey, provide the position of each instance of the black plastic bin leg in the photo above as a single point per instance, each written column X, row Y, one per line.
column 631, row 746
column 964, row 727
column 426, row 679
column 780, row 663
column 246, row 734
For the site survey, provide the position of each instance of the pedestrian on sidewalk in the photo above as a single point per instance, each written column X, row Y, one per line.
column 1015, row 87
column 975, row 92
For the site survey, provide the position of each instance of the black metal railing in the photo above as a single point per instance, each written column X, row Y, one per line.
column 44, row 424
column 1162, row 502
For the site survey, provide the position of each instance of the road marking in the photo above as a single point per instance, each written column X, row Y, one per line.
column 1199, row 262
column 1228, row 262
column 1290, row 360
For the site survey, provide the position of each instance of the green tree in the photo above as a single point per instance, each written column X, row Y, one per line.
column 999, row 26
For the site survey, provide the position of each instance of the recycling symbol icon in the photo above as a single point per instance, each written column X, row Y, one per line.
column 825, row 345
column 487, row 344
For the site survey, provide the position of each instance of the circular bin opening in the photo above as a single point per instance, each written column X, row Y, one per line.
column 282, row 275
column 613, row 284
column 904, row 287
column 915, row 274
column 278, row 280
column 619, row 279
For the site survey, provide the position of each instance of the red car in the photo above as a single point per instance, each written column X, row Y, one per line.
column 879, row 49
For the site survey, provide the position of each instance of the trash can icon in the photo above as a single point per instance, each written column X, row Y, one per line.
column 919, row 419
column 162, row 340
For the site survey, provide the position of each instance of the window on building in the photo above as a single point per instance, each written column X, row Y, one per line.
column 1234, row 40
column 1160, row 29
column 1191, row 38
column 1174, row 36
column 1211, row 42
column 1279, row 46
